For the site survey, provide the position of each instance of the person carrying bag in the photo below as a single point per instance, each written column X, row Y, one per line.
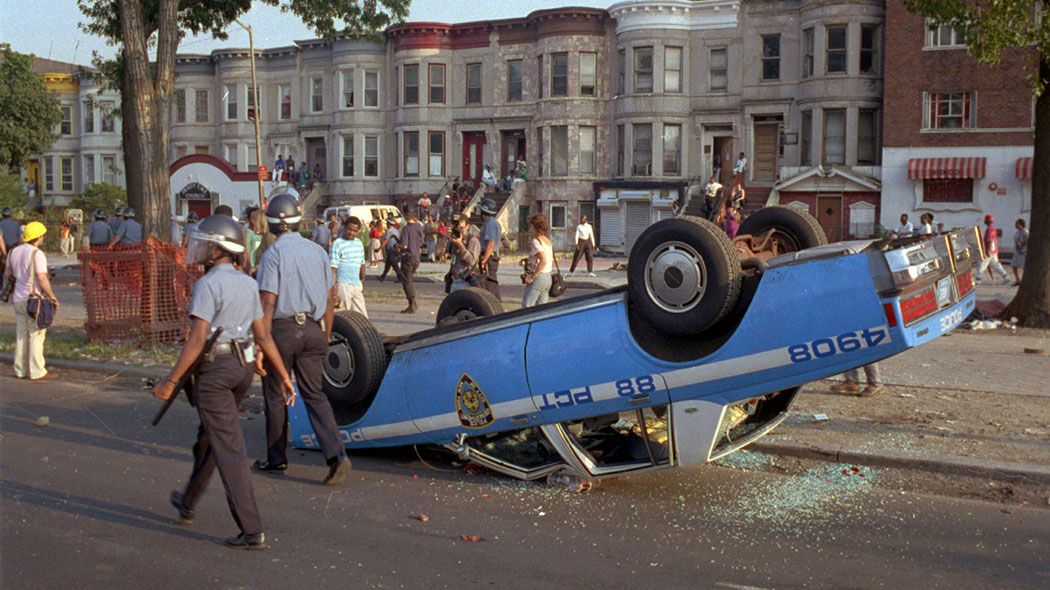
column 34, row 311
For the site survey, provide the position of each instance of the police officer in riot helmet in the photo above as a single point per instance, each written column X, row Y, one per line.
column 130, row 230
column 191, row 224
column 491, row 235
column 99, row 233
column 297, row 289
column 224, row 298
column 117, row 219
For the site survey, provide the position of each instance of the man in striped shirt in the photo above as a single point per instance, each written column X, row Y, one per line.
column 347, row 259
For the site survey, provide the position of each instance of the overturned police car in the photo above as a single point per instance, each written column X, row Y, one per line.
column 701, row 353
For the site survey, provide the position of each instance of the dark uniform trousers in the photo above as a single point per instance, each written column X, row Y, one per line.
column 491, row 283
column 390, row 261
column 583, row 247
column 303, row 349
column 221, row 386
column 408, row 270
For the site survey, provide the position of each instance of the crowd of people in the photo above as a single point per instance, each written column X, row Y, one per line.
column 302, row 178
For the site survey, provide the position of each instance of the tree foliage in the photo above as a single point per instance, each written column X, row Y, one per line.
column 12, row 191
column 29, row 110
column 99, row 195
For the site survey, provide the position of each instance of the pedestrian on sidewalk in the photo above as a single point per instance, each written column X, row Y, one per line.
column 584, row 245
column 322, row 234
column 430, row 231
column 491, row 237
column 347, row 260
column 375, row 242
column 851, row 386
column 391, row 239
column 411, row 243
column 991, row 252
column 28, row 265
column 224, row 298
column 732, row 222
column 1020, row 250
column 537, row 277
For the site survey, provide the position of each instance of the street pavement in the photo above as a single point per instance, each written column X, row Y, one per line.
column 84, row 504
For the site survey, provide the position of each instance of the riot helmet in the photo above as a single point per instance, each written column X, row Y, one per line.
column 214, row 231
column 129, row 212
column 488, row 207
column 100, row 213
column 118, row 211
column 192, row 217
column 7, row 212
column 283, row 214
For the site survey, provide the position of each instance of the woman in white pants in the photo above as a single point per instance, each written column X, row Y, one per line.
column 541, row 261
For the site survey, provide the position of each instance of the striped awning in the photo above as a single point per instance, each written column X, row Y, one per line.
column 923, row 168
column 1023, row 168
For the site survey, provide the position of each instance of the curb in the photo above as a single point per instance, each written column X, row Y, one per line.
column 98, row 367
column 998, row 470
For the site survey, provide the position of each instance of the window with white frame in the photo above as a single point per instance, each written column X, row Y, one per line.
column 230, row 150
column 559, row 74
column 411, row 90
column 371, row 156
column 372, row 88
column 251, row 160
column 539, row 76
column 180, row 105
column 346, row 80
column 642, row 156
column 411, row 151
column 514, row 80
column 862, row 219
column 109, row 123
column 807, row 52
column 180, row 151
column 348, row 156
column 672, row 150
column 436, row 145
column 316, row 94
column 867, row 136
column 284, row 95
column 869, row 49
column 938, row 35
column 436, row 79
column 719, row 69
column 200, row 105
column 89, row 116
column 621, row 147
column 89, row 170
column 66, row 126
column 558, row 220
column 49, row 174
column 835, row 54
column 229, row 93
column 588, row 74
column 834, row 136
column 806, row 139
column 473, row 83
column 950, row 110
column 947, row 190
column 672, row 69
column 539, row 151
column 250, row 102
column 109, row 169
column 67, row 174
column 771, row 57
column 643, row 69
column 621, row 71
column 559, row 150
column 588, row 141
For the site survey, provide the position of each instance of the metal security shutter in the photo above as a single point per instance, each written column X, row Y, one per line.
column 637, row 221
column 611, row 232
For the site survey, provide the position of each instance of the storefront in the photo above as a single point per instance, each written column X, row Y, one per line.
column 626, row 208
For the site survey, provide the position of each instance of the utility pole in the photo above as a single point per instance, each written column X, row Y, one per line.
column 256, row 115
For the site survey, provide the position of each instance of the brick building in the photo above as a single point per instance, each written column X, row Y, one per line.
column 957, row 135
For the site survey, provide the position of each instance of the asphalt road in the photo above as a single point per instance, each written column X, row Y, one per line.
column 84, row 503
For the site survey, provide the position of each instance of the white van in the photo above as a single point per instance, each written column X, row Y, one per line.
column 366, row 213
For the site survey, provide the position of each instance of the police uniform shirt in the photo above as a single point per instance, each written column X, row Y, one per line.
column 11, row 232
column 491, row 232
column 114, row 224
column 297, row 271
column 226, row 298
column 130, row 232
column 99, row 233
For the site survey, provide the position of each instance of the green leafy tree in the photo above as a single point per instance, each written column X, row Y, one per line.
column 148, row 34
column 12, row 192
column 29, row 110
column 989, row 27
column 99, row 195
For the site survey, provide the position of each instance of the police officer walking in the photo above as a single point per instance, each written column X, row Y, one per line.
column 411, row 242
column 223, row 298
column 99, row 233
column 297, row 291
column 117, row 219
column 129, row 232
column 491, row 234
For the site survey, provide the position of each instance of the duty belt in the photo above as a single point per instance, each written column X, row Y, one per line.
column 299, row 319
column 235, row 348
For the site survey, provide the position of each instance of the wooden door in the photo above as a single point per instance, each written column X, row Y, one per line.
column 764, row 166
column 315, row 154
column 473, row 145
column 829, row 215
column 202, row 207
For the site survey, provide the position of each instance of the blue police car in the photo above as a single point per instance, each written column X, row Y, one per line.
column 701, row 353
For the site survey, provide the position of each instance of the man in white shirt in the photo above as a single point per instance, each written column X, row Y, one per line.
column 905, row 229
column 710, row 193
column 741, row 164
column 584, row 245
column 487, row 177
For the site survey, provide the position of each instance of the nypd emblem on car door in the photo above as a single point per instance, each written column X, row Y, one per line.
column 471, row 406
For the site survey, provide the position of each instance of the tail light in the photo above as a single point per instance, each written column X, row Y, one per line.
column 917, row 306
column 965, row 283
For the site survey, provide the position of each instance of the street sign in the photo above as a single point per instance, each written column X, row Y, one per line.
column 263, row 173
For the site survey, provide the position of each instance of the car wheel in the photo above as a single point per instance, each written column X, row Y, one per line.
column 354, row 365
column 468, row 304
column 795, row 230
column 683, row 275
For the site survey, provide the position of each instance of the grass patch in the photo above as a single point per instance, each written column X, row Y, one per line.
column 72, row 344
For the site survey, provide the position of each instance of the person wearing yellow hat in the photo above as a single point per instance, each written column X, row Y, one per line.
column 28, row 265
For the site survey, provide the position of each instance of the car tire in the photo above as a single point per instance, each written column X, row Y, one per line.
column 795, row 230
column 354, row 365
column 468, row 304
column 683, row 275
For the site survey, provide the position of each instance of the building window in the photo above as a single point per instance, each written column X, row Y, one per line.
column 719, row 77
column 643, row 150
column 230, row 94
column 347, row 81
column 539, row 76
column 588, row 73
column 200, row 105
column 834, row 136
column 643, row 69
column 943, row 35
column 89, row 170
column 559, row 74
column 947, row 190
column 437, row 153
column 835, row 60
column 284, row 92
column 588, row 140
column 411, row 152
column 411, row 84
column 201, row 149
column 348, row 156
column 372, row 89
column 180, row 151
column 250, row 103
column 806, row 141
column 372, row 156
column 473, row 83
column 621, row 73
column 560, row 151
column 557, row 215
column 251, row 159
column 807, row 53
column 539, row 151
column 49, row 174
column 231, row 154
column 672, row 150
column 672, row 69
column 867, row 136
column 862, row 219
column 67, row 174
column 66, row 127
column 621, row 141
column 436, row 78
column 109, row 124
column 397, row 86
column 89, row 117
column 955, row 110
column 109, row 168
column 771, row 57
column 180, row 105
column 316, row 95
column 514, row 80
column 869, row 49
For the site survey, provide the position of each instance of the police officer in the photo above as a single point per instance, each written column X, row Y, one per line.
column 491, row 234
column 191, row 224
column 99, row 233
column 129, row 232
column 117, row 219
column 223, row 298
column 297, row 291
column 11, row 232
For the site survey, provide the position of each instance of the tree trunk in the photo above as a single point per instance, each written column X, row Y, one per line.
column 1031, row 305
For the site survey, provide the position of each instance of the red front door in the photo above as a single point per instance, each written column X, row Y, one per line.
column 473, row 145
column 201, row 207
